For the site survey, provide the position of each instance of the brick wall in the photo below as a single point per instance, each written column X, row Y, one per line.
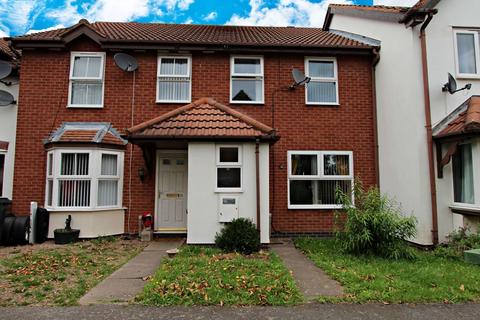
column 44, row 93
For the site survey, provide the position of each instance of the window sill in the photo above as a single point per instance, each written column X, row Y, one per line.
column 314, row 207
column 467, row 76
column 467, row 209
column 82, row 106
column 248, row 102
column 84, row 209
column 172, row 101
column 228, row 190
column 322, row 104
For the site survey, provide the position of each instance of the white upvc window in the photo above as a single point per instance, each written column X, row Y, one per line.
column 229, row 168
column 463, row 175
column 323, row 86
column 467, row 53
column 246, row 80
column 84, row 179
column 315, row 176
column 174, row 81
column 86, row 80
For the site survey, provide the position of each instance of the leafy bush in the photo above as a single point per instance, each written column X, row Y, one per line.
column 457, row 242
column 240, row 235
column 374, row 225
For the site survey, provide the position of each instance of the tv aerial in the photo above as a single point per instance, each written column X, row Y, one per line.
column 5, row 71
column 6, row 98
column 451, row 85
column 125, row 62
column 299, row 78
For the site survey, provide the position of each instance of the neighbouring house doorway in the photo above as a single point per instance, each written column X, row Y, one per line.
column 171, row 192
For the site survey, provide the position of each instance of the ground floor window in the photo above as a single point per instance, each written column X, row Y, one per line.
column 2, row 168
column 463, row 185
column 315, row 176
column 84, row 179
column 229, row 168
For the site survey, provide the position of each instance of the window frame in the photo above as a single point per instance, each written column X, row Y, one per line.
column 94, row 175
column 188, row 76
column 320, row 176
column 226, row 165
column 476, row 35
column 2, row 176
column 72, row 79
column 248, row 76
column 475, row 145
column 322, row 79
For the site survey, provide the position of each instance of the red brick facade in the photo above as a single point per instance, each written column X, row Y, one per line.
column 44, row 93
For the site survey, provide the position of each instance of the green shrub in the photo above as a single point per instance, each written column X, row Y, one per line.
column 457, row 242
column 374, row 225
column 240, row 235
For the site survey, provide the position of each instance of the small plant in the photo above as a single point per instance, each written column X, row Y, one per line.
column 457, row 242
column 374, row 225
column 240, row 235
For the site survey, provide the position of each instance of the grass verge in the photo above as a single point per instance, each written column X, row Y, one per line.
column 61, row 275
column 206, row 276
column 428, row 278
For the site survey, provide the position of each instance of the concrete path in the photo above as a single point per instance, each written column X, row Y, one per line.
column 124, row 284
column 303, row 312
column 311, row 280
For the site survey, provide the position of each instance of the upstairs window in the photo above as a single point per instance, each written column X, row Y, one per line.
column 323, row 86
column 229, row 168
column 315, row 176
column 467, row 53
column 246, row 80
column 86, row 79
column 174, row 80
column 463, row 186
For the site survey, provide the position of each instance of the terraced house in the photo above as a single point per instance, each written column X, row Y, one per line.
column 207, row 128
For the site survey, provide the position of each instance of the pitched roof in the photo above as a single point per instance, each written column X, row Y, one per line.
column 204, row 118
column 160, row 33
column 86, row 132
column 465, row 119
column 384, row 9
column 6, row 52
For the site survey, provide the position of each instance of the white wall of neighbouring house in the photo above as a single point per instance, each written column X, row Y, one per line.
column 92, row 224
column 203, row 200
column 402, row 138
column 8, row 126
column 452, row 15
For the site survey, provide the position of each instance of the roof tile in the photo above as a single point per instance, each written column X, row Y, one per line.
column 204, row 118
column 465, row 122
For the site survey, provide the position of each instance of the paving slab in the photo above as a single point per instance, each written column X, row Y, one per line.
column 311, row 280
column 124, row 284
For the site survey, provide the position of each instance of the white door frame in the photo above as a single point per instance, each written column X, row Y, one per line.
column 160, row 154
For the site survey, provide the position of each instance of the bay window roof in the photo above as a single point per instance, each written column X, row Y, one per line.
column 86, row 132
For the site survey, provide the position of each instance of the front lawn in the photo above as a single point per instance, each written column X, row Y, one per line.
column 206, row 276
column 48, row 274
column 367, row 279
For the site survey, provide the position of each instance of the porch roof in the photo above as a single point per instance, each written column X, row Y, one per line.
column 463, row 121
column 203, row 119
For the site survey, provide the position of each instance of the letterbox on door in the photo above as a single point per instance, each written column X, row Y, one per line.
column 227, row 208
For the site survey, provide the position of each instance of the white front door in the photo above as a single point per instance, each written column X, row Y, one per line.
column 172, row 193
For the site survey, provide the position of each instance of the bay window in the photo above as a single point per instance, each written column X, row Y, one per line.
column 463, row 185
column 246, row 79
column 323, row 86
column 86, row 79
column 467, row 53
column 83, row 179
column 173, row 79
column 229, row 168
column 315, row 176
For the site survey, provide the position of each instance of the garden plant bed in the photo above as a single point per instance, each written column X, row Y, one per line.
column 50, row 274
column 428, row 278
column 206, row 276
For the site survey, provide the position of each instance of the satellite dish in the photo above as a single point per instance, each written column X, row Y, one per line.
column 451, row 85
column 125, row 62
column 5, row 69
column 6, row 98
column 299, row 78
